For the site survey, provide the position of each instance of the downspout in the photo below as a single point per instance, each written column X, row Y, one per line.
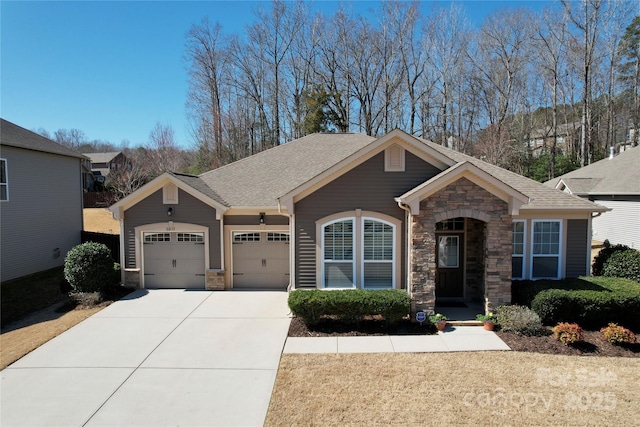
column 292, row 247
column 407, row 216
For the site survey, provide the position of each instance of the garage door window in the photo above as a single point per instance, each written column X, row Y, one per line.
column 157, row 237
column 190, row 237
column 277, row 237
column 246, row 237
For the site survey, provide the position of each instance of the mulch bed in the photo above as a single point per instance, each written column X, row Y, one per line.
column 367, row 327
column 592, row 345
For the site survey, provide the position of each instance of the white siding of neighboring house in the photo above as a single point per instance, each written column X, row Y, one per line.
column 619, row 226
column 44, row 211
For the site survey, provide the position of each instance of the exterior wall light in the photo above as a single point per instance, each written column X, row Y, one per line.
column 169, row 211
column 261, row 218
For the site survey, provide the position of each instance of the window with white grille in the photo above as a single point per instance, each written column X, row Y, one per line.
column 157, row 237
column 277, row 237
column 246, row 237
column 190, row 237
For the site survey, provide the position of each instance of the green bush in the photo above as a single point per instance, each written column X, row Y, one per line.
column 89, row 267
column 519, row 320
column 567, row 333
column 603, row 256
column 592, row 309
column 349, row 305
column 618, row 334
column 625, row 264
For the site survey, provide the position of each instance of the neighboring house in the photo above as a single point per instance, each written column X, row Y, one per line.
column 103, row 163
column 336, row 211
column 40, row 202
column 541, row 140
column 614, row 183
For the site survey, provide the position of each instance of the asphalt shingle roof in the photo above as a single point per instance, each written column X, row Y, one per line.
column 540, row 196
column 620, row 175
column 102, row 157
column 16, row 136
column 260, row 179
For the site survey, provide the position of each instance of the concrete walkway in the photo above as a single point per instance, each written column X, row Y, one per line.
column 155, row 358
column 453, row 338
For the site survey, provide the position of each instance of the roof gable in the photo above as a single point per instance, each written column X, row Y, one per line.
column 102, row 157
column 15, row 136
column 514, row 198
column 187, row 183
column 397, row 137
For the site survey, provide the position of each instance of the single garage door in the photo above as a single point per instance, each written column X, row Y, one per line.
column 174, row 260
column 261, row 260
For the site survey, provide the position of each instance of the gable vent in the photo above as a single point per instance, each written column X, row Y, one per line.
column 394, row 159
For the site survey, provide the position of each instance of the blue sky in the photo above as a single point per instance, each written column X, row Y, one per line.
column 114, row 69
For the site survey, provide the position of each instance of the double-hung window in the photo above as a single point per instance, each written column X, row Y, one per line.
column 517, row 256
column 4, row 181
column 358, row 252
column 546, row 249
column 339, row 254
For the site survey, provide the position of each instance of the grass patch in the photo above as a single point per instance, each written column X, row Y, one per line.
column 454, row 389
column 25, row 295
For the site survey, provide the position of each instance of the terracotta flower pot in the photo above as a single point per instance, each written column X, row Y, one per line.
column 441, row 325
column 488, row 325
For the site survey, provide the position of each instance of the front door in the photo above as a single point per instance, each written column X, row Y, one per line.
column 450, row 266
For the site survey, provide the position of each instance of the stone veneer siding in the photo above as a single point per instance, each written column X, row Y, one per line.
column 461, row 199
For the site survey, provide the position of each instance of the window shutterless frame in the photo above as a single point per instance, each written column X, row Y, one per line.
column 546, row 249
column 4, row 181
column 519, row 249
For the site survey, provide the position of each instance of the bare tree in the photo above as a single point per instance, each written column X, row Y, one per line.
column 162, row 152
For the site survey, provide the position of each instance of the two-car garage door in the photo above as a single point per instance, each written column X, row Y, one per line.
column 260, row 260
column 174, row 260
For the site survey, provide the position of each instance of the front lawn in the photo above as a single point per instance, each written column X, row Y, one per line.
column 495, row 388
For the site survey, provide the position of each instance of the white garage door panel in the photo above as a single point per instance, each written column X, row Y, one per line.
column 261, row 264
column 174, row 264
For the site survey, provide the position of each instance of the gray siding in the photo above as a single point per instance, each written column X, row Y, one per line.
column 367, row 187
column 190, row 210
column 255, row 220
column 620, row 225
column 44, row 211
column 577, row 247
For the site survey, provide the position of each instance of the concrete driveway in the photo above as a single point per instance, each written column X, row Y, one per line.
column 155, row 358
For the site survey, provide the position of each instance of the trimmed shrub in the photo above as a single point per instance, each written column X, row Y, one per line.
column 89, row 267
column 349, row 305
column 625, row 264
column 519, row 320
column 603, row 256
column 567, row 333
column 618, row 334
column 592, row 309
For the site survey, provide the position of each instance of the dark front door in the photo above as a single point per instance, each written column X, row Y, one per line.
column 450, row 265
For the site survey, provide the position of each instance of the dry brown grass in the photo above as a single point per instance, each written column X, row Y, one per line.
column 497, row 388
column 100, row 220
column 35, row 330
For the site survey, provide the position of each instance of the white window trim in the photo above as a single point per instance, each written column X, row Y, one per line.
column 523, row 256
column 393, row 256
column 358, row 215
column 353, row 251
column 560, row 249
column 6, row 183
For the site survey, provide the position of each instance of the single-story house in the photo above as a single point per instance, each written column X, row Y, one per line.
column 614, row 183
column 344, row 211
column 41, row 185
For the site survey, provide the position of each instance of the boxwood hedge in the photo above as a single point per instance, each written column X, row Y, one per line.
column 349, row 305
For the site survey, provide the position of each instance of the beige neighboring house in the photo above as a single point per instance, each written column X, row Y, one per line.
column 41, row 186
column 350, row 211
column 614, row 183
column 542, row 139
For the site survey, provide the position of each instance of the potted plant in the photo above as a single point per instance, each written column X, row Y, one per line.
column 439, row 320
column 489, row 320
